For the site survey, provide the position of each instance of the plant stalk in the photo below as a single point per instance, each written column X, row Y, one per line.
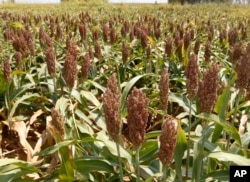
column 188, row 141
column 120, row 161
column 137, row 163
column 164, row 173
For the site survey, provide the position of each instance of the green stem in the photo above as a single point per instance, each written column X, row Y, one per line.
column 237, row 100
column 164, row 173
column 200, row 155
column 137, row 163
column 120, row 161
column 188, row 144
column 54, row 94
column 73, row 116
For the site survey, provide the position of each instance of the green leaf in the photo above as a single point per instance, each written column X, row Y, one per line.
column 97, row 85
column 66, row 172
column 20, row 100
column 148, row 151
column 105, row 141
column 217, row 176
column 228, row 127
column 228, row 157
column 3, row 84
column 153, row 134
column 221, row 108
column 86, row 166
column 180, row 148
column 56, row 147
column 90, row 97
column 14, row 169
column 181, row 100
column 127, row 89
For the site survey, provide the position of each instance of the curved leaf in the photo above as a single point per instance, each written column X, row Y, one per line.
column 127, row 89
column 228, row 157
column 85, row 166
column 228, row 127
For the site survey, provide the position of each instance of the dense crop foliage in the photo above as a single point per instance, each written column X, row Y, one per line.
column 124, row 93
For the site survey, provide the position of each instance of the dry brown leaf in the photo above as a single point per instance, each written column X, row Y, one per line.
column 242, row 126
column 20, row 128
column 35, row 115
column 33, row 118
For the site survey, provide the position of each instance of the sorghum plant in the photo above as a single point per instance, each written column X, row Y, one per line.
column 168, row 140
column 137, row 119
column 6, row 69
column 111, row 103
column 86, row 66
column 70, row 68
column 51, row 61
column 164, row 89
column 207, row 91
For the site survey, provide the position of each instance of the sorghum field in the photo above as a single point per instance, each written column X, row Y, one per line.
column 101, row 92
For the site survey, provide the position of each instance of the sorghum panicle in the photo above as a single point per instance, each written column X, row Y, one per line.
column 207, row 52
column 242, row 68
column 223, row 35
column 113, row 35
column 168, row 46
column 144, row 40
column 6, row 69
column 51, row 61
column 18, row 57
column 105, row 32
column 168, row 141
column 187, row 39
column 164, row 89
column 197, row 46
column 111, row 104
column 19, row 44
column 179, row 49
column 83, row 31
column 57, row 123
column 95, row 34
column 98, row 52
column 192, row 76
column 125, row 52
column 207, row 91
column 58, row 32
column 86, row 66
column 232, row 36
column 137, row 119
column 70, row 67
column 237, row 52
column 91, row 53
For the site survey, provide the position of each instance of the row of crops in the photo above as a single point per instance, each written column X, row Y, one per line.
column 124, row 93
